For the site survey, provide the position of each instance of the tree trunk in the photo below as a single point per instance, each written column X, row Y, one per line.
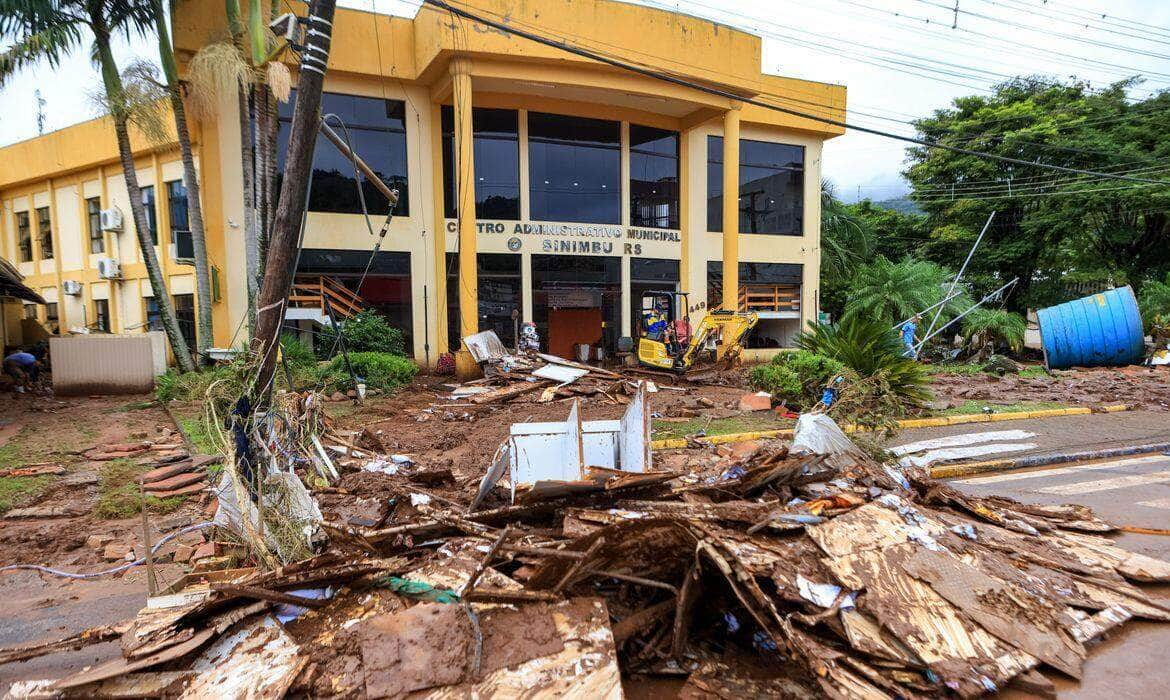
column 251, row 242
column 205, row 336
column 263, row 172
column 203, row 329
column 282, row 249
column 158, row 285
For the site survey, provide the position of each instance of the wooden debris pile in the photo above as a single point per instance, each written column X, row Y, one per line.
column 541, row 378
column 789, row 574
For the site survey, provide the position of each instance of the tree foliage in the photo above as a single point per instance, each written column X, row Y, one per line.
column 1050, row 229
column 891, row 292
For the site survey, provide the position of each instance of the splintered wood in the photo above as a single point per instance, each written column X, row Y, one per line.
column 783, row 575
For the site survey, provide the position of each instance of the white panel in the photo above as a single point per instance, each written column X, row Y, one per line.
column 182, row 284
column 634, row 438
column 572, row 458
column 102, row 364
column 99, row 290
column 69, row 229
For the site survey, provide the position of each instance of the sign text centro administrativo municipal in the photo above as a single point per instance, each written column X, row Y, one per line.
column 589, row 239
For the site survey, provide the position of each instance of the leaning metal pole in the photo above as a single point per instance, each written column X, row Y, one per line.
column 974, row 306
column 290, row 210
column 955, row 282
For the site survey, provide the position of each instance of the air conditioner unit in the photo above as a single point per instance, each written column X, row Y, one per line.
column 111, row 219
column 109, row 269
column 71, row 287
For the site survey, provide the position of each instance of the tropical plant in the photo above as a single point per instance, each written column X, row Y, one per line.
column 173, row 89
column 894, row 291
column 50, row 29
column 846, row 238
column 1154, row 302
column 796, row 378
column 871, row 349
column 380, row 370
column 297, row 352
column 365, row 331
column 248, row 65
column 997, row 326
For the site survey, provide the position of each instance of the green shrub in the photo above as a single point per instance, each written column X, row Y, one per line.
column 297, row 352
column 365, row 331
column 778, row 380
column 796, row 378
column 868, row 347
column 380, row 370
column 1154, row 302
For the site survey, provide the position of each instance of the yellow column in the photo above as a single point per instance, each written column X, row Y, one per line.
column 465, row 198
column 438, row 236
column 731, row 209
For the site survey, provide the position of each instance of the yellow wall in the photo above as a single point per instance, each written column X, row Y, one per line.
column 409, row 60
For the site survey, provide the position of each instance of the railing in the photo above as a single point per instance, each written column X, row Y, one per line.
column 311, row 292
column 769, row 297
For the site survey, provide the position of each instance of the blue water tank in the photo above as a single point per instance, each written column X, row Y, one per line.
column 1099, row 330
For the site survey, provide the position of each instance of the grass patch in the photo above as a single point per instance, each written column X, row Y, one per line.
column 746, row 423
column 8, row 456
column 15, row 490
column 196, row 431
column 118, row 495
column 976, row 369
column 972, row 406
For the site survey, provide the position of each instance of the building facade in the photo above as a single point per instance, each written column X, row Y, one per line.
column 534, row 184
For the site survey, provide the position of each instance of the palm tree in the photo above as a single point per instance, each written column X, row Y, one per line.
column 846, row 238
column 172, row 91
column 248, row 65
column 50, row 29
column 892, row 291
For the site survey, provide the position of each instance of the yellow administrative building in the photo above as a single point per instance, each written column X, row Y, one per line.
column 535, row 186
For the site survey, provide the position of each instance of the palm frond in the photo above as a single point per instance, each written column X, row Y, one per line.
column 997, row 325
column 49, row 44
column 871, row 349
column 215, row 73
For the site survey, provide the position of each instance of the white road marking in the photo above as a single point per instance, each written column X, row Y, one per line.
column 1103, row 466
column 960, row 440
column 1163, row 503
column 1117, row 482
column 948, row 454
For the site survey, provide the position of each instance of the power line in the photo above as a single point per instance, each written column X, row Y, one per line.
column 1049, row 32
column 1082, row 22
column 649, row 73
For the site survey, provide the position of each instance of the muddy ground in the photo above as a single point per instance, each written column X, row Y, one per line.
column 1143, row 387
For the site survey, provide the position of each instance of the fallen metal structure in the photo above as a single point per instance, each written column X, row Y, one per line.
column 808, row 571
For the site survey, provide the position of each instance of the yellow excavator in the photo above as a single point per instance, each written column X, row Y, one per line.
column 667, row 342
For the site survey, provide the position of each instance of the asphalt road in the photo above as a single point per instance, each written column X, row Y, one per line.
column 1135, row 662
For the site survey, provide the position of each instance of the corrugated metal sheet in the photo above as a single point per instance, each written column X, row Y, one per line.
column 102, row 364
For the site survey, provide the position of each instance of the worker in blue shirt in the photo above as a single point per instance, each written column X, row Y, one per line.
column 23, row 367
column 909, row 335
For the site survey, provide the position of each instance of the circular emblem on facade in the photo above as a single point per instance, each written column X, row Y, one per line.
column 514, row 244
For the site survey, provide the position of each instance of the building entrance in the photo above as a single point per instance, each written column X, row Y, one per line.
column 577, row 300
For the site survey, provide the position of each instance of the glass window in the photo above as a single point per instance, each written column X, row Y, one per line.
column 185, row 316
column 771, row 187
column 153, row 317
column 574, row 169
column 93, row 212
column 386, row 288
column 496, row 142
column 653, row 177
column 180, row 220
column 499, row 295
column 101, row 315
column 30, row 311
column 52, row 320
column 24, row 236
column 45, row 233
column 151, row 214
column 377, row 133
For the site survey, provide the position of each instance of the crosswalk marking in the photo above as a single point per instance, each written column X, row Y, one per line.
column 960, row 440
column 1118, row 482
column 1101, row 466
column 1162, row 503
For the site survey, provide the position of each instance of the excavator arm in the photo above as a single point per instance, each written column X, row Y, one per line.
column 732, row 327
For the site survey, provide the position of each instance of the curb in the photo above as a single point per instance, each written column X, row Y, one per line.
column 936, row 422
column 950, row 471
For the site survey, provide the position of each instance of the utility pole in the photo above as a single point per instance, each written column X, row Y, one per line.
column 290, row 210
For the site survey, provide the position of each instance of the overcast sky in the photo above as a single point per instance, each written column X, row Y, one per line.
column 900, row 59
